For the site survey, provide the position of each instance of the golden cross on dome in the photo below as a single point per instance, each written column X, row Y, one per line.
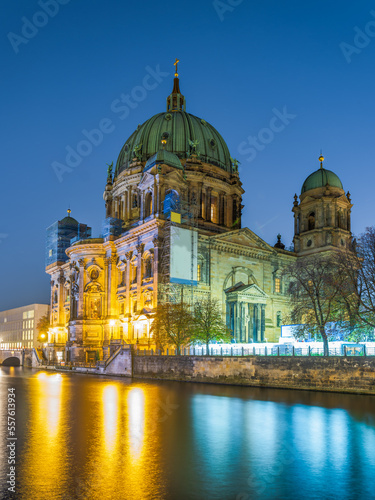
column 321, row 159
column 175, row 64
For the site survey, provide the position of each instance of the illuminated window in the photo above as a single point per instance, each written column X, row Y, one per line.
column 214, row 210
column 277, row 285
column 50, row 253
column 199, row 272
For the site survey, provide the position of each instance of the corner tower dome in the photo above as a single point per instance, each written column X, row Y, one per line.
column 181, row 134
column 322, row 216
column 320, row 178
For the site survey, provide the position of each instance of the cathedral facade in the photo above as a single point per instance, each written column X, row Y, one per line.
column 172, row 231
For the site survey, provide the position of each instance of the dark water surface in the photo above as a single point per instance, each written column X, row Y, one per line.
column 89, row 437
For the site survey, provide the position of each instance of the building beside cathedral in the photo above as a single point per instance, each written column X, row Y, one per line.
column 173, row 229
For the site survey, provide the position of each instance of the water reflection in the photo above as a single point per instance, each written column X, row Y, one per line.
column 110, row 416
column 136, row 426
column 45, row 457
column 98, row 438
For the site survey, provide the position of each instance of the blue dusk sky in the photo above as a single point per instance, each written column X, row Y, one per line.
column 243, row 65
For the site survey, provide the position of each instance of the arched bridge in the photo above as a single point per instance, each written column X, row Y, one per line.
column 19, row 357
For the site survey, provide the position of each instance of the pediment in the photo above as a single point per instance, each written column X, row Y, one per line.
column 244, row 237
column 243, row 290
column 307, row 200
column 175, row 175
column 145, row 181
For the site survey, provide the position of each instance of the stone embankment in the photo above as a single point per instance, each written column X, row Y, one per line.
column 354, row 374
column 339, row 374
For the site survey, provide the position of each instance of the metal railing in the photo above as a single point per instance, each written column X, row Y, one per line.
column 281, row 350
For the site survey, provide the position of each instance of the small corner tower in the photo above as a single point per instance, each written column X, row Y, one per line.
column 322, row 215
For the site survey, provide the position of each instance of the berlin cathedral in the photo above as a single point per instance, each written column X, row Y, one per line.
column 172, row 231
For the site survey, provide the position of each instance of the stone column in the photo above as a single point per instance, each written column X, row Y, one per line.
column 107, row 288
column 112, row 274
column 154, row 198
column 200, row 199
column 129, row 214
column 295, row 223
column 221, row 208
column 140, row 248
column 262, row 321
column 255, row 323
column 123, row 207
column 60, row 303
column 81, row 264
column 157, row 242
column 128, row 256
column 208, row 204
column 229, row 210
column 52, row 283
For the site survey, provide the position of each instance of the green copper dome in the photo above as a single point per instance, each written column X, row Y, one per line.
column 69, row 221
column 179, row 129
column 165, row 157
column 320, row 178
column 182, row 134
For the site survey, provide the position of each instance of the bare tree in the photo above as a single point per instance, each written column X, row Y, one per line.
column 208, row 322
column 358, row 264
column 172, row 325
column 317, row 295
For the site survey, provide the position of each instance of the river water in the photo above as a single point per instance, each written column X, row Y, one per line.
column 99, row 438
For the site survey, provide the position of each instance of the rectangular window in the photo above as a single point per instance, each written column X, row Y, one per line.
column 199, row 272
column 277, row 285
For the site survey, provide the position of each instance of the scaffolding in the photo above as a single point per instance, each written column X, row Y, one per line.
column 185, row 216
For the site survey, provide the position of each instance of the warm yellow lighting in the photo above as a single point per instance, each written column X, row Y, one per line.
column 110, row 413
column 42, row 336
column 136, row 412
column 112, row 322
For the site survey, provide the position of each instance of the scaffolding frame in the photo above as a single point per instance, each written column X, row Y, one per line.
column 170, row 292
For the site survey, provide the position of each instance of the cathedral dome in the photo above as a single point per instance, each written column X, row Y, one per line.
column 179, row 129
column 321, row 178
column 181, row 133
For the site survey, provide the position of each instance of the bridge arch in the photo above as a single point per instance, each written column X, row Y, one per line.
column 12, row 361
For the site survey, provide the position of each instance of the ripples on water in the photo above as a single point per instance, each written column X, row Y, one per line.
column 99, row 438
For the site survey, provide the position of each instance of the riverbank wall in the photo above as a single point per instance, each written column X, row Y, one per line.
column 353, row 374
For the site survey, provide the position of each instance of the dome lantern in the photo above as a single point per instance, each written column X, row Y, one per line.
column 176, row 101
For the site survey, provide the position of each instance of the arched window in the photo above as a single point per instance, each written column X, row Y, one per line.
column 135, row 200
column 311, row 221
column 214, row 210
column 148, row 267
column 202, row 274
column 148, row 204
column 133, row 271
